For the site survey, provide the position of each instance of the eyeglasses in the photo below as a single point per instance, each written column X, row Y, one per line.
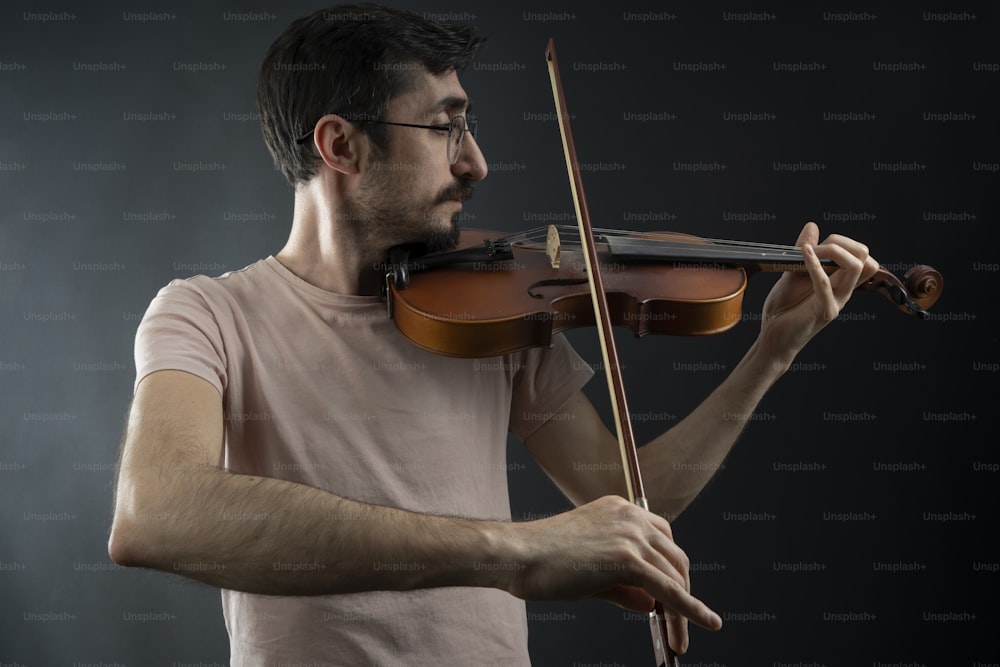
column 456, row 129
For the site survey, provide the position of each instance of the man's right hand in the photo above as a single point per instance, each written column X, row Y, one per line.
column 613, row 550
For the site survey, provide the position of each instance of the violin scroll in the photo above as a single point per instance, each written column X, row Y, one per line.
column 919, row 290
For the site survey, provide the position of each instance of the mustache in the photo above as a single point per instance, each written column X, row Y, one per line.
column 461, row 190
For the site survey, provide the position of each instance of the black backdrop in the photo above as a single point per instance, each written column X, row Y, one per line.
column 853, row 523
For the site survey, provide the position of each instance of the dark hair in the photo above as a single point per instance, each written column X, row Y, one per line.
column 350, row 60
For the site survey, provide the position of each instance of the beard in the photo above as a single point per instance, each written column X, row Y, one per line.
column 446, row 239
column 384, row 215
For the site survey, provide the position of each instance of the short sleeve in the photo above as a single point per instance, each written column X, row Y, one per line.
column 180, row 332
column 545, row 380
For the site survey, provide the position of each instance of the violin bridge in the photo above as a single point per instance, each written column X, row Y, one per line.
column 552, row 246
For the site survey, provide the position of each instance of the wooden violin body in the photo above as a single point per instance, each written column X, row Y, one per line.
column 479, row 309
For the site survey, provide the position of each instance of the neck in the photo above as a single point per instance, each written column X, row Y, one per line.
column 325, row 249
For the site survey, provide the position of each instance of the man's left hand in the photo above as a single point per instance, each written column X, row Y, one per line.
column 802, row 303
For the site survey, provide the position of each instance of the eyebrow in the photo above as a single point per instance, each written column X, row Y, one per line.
column 453, row 103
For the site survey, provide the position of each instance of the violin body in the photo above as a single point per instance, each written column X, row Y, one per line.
column 483, row 309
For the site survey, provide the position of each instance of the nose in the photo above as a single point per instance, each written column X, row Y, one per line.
column 471, row 162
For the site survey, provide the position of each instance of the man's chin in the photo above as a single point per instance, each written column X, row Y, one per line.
column 440, row 240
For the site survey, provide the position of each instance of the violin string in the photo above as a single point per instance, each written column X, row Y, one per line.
column 716, row 242
column 538, row 237
column 539, row 234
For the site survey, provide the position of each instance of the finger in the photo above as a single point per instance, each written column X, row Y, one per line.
column 662, row 569
column 677, row 633
column 662, row 541
column 638, row 600
column 859, row 250
column 676, row 599
column 657, row 548
column 808, row 235
column 849, row 268
column 828, row 306
column 871, row 266
column 856, row 248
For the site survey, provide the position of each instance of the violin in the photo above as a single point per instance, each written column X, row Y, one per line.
column 494, row 296
column 497, row 294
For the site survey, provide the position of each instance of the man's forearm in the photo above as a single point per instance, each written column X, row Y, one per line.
column 678, row 464
column 271, row 536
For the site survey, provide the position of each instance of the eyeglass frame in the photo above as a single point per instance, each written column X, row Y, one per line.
column 470, row 121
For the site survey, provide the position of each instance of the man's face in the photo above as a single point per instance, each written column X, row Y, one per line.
column 411, row 193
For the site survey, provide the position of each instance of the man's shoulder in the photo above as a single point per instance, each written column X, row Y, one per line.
column 227, row 280
column 221, row 297
column 254, row 276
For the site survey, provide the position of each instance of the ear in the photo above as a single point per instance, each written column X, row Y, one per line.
column 337, row 141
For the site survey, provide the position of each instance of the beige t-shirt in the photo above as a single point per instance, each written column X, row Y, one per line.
column 321, row 389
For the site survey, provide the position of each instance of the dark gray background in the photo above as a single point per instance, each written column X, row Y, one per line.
column 100, row 207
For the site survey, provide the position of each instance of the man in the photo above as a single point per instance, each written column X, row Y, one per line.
column 346, row 490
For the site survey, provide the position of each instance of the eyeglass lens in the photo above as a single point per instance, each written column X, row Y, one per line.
column 455, row 137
